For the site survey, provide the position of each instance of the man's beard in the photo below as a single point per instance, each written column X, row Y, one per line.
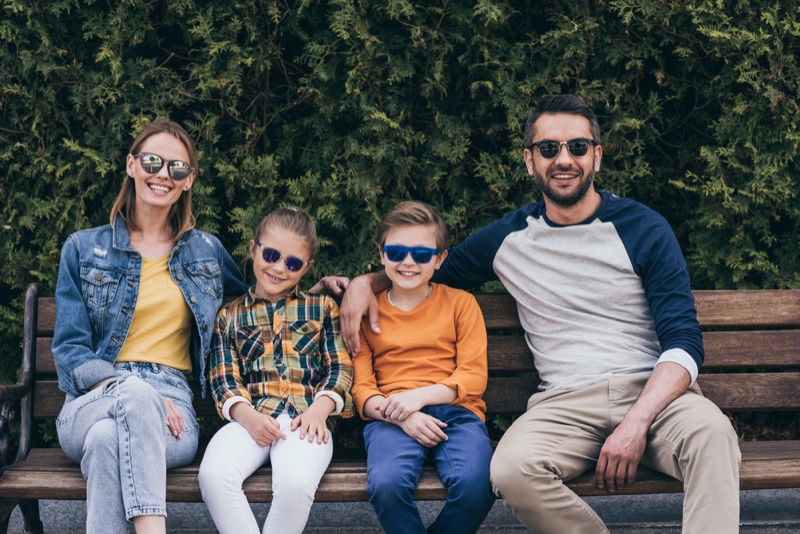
column 569, row 199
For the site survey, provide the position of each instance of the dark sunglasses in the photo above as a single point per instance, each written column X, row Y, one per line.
column 152, row 163
column 398, row 253
column 550, row 149
column 271, row 256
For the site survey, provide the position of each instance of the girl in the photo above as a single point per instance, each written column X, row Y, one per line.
column 135, row 301
column 279, row 371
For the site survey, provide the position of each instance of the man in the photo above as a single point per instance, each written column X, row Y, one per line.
column 603, row 295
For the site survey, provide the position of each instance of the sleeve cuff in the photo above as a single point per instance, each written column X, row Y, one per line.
column 226, row 408
column 682, row 358
column 336, row 398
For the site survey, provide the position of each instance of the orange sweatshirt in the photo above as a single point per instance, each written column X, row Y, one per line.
column 441, row 341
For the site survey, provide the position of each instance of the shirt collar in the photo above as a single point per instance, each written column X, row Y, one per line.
column 252, row 298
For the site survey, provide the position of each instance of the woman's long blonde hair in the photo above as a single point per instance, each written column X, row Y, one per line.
column 181, row 219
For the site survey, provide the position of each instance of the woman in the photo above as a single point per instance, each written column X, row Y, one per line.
column 136, row 301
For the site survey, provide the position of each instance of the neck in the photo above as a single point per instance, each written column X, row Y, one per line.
column 579, row 212
column 153, row 226
column 408, row 299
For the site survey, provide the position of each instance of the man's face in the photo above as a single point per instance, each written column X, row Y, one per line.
column 564, row 179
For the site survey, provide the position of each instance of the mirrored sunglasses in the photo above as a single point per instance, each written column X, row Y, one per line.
column 398, row 253
column 152, row 163
column 550, row 149
column 271, row 256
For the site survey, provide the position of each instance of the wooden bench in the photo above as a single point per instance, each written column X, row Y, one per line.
column 752, row 341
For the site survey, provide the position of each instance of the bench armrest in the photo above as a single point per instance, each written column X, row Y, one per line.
column 12, row 394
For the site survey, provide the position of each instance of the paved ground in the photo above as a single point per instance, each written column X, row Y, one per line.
column 763, row 512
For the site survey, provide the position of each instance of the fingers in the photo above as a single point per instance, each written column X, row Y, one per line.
column 336, row 284
column 174, row 419
column 372, row 314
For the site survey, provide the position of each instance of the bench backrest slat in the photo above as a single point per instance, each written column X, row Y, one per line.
column 754, row 330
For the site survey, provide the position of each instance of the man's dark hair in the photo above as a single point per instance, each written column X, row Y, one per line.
column 569, row 104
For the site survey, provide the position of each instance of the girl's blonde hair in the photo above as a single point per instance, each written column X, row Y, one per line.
column 180, row 214
column 289, row 219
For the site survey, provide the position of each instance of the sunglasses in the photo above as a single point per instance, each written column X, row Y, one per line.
column 550, row 149
column 152, row 163
column 398, row 253
column 271, row 256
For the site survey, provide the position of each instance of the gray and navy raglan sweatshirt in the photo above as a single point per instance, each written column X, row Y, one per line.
column 606, row 297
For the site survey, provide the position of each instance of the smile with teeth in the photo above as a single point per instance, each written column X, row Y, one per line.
column 273, row 278
column 407, row 273
column 159, row 188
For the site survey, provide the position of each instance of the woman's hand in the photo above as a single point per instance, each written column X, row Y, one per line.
column 174, row 419
column 312, row 421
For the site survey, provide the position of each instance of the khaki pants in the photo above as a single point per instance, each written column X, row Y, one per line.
column 560, row 436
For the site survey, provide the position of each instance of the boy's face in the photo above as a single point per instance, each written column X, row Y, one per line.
column 408, row 275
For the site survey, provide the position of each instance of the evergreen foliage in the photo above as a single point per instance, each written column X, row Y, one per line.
column 346, row 107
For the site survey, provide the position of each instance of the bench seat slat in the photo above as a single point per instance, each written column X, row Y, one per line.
column 49, row 474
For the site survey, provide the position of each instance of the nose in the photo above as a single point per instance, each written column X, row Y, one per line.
column 563, row 156
column 408, row 260
column 279, row 265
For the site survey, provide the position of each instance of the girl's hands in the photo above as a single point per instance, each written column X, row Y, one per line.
column 312, row 421
column 263, row 428
column 174, row 419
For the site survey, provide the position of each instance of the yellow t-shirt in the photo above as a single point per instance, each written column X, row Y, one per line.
column 162, row 321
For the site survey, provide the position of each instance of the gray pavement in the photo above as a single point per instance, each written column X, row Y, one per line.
column 762, row 512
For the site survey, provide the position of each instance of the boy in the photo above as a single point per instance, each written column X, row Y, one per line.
column 420, row 383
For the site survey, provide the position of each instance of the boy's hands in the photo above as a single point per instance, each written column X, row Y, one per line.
column 263, row 428
column 401, row 405
column 312, row 421
column 424, row 429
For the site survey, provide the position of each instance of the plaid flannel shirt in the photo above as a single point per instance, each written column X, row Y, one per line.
column 304, row 357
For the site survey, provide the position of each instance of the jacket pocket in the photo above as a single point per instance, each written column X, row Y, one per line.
column 99, row 286
column 206, row 275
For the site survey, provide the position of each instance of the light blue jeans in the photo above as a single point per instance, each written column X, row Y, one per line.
column 118, row 433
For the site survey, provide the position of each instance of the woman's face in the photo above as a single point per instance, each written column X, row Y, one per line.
column 159, row 190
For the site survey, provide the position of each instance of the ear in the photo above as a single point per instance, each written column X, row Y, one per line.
column 440, row 258
column 527, row 155
column 253, row 249
column 129, row 165
column 381, row 255
column 187, row 184
column 598, row 155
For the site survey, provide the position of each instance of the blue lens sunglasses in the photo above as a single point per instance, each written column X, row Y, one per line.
column 398, row 253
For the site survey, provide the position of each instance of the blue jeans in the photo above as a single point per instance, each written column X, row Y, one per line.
column 395, row 462
column 118, row 433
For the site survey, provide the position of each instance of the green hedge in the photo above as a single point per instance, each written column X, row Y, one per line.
column 345, row 107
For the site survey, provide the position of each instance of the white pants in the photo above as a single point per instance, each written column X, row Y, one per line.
column 232, row 456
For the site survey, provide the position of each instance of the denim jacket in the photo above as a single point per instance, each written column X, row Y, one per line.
column 97, row 289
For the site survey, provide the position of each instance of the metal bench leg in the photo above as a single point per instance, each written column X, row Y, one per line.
column 6, row 507
column 30, row 514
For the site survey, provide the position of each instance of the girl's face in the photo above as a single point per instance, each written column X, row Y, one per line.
column 274, row 280
column 159, row 190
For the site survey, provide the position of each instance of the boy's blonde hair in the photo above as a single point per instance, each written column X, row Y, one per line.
column 292, row 220
column 413, row 213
